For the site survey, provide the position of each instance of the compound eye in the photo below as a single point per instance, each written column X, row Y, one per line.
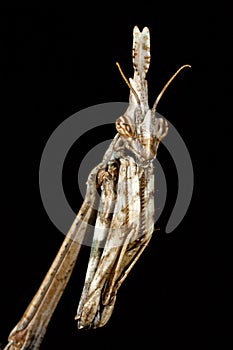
column 161, row 128
column 124, row 128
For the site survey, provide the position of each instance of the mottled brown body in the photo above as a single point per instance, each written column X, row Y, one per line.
column 123, row 223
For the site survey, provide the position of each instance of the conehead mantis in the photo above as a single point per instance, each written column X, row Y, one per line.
column 124, row 222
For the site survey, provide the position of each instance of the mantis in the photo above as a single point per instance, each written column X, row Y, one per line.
column 124, row 222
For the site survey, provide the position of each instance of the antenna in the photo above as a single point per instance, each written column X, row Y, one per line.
column 129, row 85
column 167, row 84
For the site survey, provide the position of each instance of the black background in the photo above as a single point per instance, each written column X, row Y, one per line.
column 55, row 62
